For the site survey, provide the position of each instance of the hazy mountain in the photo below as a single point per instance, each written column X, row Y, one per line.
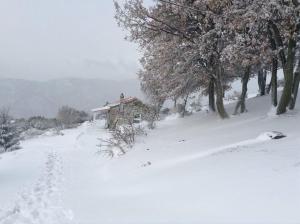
column 28, row 98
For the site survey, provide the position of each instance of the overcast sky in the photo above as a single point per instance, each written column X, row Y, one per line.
column 47, row 39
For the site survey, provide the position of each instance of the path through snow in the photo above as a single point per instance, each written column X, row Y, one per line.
column 41, row 203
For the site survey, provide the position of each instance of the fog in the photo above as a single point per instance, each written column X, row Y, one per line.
column 50, row 39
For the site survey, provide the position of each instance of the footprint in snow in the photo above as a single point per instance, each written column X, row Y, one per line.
column 42, row 203
column 146, row 164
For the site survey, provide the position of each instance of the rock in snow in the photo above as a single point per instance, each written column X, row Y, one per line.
column 271, row 135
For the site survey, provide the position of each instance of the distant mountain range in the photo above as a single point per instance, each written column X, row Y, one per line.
column 29, row 98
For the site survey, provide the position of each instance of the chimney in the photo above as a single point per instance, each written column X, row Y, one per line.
column 121, row 96
column 121, row 108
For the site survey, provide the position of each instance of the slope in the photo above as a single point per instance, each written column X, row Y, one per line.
column 199, row 169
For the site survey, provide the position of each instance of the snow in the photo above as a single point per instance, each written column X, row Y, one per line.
column 272, row 112
column 100, row 109
column 197, row 169
column 41, row 204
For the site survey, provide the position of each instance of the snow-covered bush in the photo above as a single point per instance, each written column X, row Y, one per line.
column 195, row 104
column 233, row 96
column 122, row 138
column 37, row 125
column 71, row 117
column 42, row 123
column 22, row 124
column 151, row 116
column 31, row 133
column 9, row 134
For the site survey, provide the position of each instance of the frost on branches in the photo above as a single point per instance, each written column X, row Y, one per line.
column 204, row 45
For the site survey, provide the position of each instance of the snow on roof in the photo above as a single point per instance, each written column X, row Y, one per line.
column 117, row 103
column 128, row 100
column 101, row 109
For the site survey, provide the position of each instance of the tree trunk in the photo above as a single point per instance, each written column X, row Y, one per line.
column 274, row 82
column 211, row 95
column 184, row 105
column 288, row 71
column 241, row 103
column 175, row 103
column 269, row 86
column 219, row 93
column 262, row 82
column 276, row 41
column 295, row 87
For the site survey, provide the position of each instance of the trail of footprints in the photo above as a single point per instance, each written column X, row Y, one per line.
column 42, row 203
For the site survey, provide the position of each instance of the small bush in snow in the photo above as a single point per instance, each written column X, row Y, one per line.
column 31, row 133
column 234, row 96
column 42, row 123
column 38, row 125
column 150, row 115
column 122, row 137
column 9, row 134
column 22, row 124
column 195, row 106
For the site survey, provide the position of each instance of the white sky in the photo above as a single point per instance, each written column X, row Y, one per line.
column 46, row 39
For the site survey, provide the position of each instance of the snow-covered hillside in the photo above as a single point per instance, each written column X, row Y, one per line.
column 199, row 169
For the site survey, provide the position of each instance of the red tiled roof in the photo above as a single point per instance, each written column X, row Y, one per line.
column 117, row 103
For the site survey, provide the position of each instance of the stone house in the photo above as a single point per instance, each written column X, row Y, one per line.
column 125, row 110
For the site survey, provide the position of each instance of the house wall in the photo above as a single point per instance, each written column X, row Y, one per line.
column 99, row 115
column 116, row 117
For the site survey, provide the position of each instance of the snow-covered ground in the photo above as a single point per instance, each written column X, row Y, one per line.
column 199, row 169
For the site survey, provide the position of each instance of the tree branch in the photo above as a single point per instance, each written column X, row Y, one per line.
column 279, row 43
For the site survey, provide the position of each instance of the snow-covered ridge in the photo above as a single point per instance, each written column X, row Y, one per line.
column 32, row 98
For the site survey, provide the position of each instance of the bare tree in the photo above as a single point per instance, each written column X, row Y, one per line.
column 122, row 138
